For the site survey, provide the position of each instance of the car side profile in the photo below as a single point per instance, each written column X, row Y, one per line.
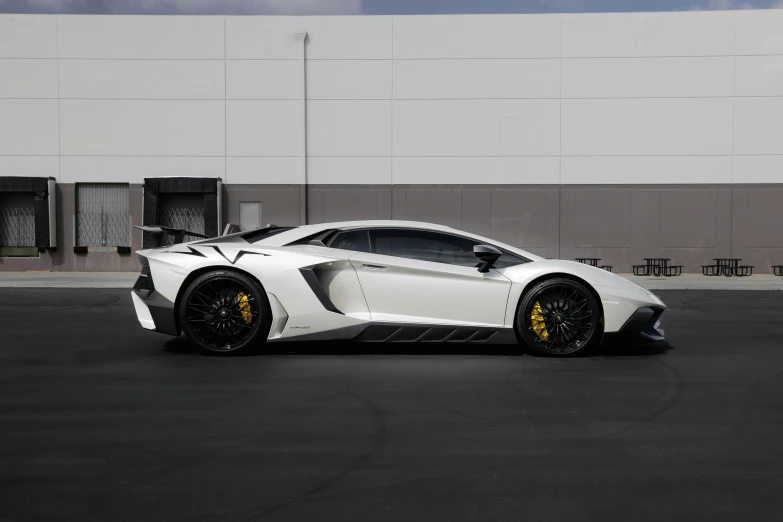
column 382, row 281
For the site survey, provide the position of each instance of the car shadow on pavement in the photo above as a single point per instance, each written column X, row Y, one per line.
column 624, row 349
column 181, row 345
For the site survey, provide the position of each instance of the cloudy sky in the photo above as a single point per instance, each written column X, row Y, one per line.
column 369, row 7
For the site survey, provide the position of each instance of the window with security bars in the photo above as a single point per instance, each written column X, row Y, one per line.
column 102, row 214
column 181, row 210
column 17, row 219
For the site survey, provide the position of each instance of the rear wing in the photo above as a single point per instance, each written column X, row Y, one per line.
column 231, row 229
column 158, row 232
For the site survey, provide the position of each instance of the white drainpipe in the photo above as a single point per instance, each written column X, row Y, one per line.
column 303, row 120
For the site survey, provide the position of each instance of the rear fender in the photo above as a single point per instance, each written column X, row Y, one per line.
column 170, row 267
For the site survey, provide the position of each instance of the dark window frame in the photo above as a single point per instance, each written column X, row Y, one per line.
column 260, row 234
column 334, row 237
column 373, row 249
column 331, row 235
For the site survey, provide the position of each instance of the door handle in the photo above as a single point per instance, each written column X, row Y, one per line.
column 369, row 266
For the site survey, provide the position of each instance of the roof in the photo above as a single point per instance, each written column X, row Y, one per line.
column 387, row 223
column 294, row 234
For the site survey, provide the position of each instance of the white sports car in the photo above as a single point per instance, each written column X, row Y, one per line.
column 382, row 281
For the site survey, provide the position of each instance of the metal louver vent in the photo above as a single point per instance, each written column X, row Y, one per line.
column 17, row 219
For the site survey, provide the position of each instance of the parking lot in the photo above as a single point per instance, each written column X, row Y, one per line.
column 102, row 420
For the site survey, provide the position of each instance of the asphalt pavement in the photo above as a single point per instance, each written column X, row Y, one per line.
column 101, row 420
column 127, row 279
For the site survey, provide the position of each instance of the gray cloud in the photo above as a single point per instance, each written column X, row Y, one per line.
column 55, row 6
column 343, row 7
column 724, row 5
column 271, row 7
column 276, row 7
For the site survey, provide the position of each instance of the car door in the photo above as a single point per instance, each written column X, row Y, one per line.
column 421, row 276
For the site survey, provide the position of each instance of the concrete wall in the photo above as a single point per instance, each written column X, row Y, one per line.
column 651, row 133
column 691, row 224
column 508, row 99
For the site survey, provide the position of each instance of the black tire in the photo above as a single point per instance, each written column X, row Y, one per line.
column 224, row 312
column 559, row 318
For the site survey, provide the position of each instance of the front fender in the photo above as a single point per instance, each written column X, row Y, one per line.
column 620, row 298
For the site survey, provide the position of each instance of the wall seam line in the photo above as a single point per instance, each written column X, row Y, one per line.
column 660, row 217
column 225, row 98
column 551, row 98
column 124, row 155
column 560, row 159
column 560, row 129
column 734, row 98
column 57, row 260
column 733, row 139
column 391, row 137
column 59, row 134
column 441, row 58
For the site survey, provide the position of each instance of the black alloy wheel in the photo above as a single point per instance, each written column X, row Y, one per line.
column 225, row 312
column 559, row 317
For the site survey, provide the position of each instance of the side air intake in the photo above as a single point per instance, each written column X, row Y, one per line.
column 311, row 278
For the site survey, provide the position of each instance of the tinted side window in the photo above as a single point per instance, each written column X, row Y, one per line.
column 424, row 246
column 357, row 240
column 433, row 246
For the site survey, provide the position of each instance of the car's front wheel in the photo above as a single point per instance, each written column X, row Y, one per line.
column 223, row 311
column 558, row 317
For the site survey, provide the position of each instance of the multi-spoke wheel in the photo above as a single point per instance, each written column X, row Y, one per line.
column 558, row 317
column 224, row 311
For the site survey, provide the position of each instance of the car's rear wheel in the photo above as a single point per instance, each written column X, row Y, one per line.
column 559, row 317
column 225, row 312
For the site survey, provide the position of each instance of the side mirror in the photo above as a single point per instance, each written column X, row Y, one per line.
column 487, row 255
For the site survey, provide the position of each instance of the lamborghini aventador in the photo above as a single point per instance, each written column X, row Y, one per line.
column 382, row 281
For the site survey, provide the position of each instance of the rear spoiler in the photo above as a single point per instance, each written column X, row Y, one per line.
column 177, row 233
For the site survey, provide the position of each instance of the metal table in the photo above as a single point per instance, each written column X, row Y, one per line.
column 657, row 266
column 592, row 261
column 727, row 266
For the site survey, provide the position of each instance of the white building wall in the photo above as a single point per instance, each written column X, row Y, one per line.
column 349, row 85
column 28, row 96
column 691, row 97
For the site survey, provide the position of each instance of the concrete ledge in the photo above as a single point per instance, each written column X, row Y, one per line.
column 68, row 279
column 700, row 282
column 127, row 279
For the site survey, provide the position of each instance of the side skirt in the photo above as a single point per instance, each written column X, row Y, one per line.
column 412, row 333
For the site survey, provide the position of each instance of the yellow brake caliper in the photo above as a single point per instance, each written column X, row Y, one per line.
column 537, row 320
column 244, row 307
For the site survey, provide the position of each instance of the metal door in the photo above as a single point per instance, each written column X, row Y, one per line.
column 102, row 214
column 17, row 219
column 249, row 216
